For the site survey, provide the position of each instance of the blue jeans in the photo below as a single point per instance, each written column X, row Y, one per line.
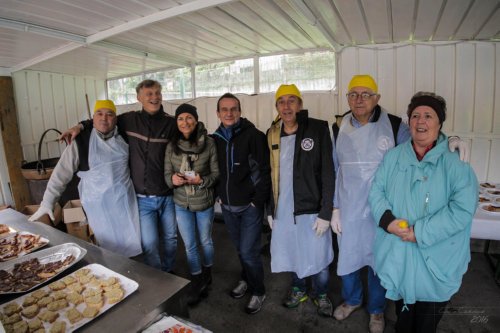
column 352, row 291
column 158, row 231
column 319, row 282
column 245, row 228
column 189, row 223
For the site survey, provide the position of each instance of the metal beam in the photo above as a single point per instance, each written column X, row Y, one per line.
column 303, row 9
column 41, row 30
column 156, row 17
column 46, row 56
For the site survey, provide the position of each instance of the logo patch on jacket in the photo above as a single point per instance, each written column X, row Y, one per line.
column 307, row 144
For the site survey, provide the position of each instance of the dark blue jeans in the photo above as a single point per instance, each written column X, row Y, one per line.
column 245, row 228
column 319, row 282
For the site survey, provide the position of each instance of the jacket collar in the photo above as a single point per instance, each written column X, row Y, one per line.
column 156, row 115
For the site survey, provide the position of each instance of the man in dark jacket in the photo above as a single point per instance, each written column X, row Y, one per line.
column 243, row 190
column 302, row 186
column 148, row 132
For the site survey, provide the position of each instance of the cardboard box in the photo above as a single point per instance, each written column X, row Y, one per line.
column 45, row 219
column 75, row 219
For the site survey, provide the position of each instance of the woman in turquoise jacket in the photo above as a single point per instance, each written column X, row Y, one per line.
column 423, row 198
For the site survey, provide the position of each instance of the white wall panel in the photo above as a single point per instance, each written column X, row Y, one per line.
column 466, row 74
column 50, row 100
column 445, row 81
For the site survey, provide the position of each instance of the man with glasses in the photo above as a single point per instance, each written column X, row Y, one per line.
column 243, row 190
column 361, row 138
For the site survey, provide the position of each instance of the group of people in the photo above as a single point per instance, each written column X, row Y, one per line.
column 398, row 197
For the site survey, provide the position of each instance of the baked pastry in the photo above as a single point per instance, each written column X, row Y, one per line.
column 39, row 294
column 85, row 279
column 30, row 311
column 20, row 327
column 29, row 300
column 108, row 282
column 68, row 280
column 60, row 294
column 74, row 315
column 82, row 272
column 94, row 301
column 4, row 229
column 58, row 285
column 90, row 312
column 48, row 316
column 44, row 301
column 11, row 308
column 14, row 318
column 58, row 327
column 74, row 298
column 35, row 324
column 76, row 287
column 111, row 287
column 92, row 292
column 57, row 305
column 114, row 295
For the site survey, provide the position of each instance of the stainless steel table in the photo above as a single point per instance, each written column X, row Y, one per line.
column 158, row 291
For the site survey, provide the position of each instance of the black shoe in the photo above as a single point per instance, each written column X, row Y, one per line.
column 207, row 275
column 240, row 290
column 195, row 292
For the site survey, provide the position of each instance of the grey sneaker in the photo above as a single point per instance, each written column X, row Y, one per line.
column 255, row 304
column 325, row 307
column 240, row 290
column 295, row 297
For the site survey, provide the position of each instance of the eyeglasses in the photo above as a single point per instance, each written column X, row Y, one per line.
column 353, row 96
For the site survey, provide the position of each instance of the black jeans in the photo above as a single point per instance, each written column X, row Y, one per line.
column 245, row 228
column 421, row 317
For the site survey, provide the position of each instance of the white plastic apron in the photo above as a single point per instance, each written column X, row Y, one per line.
column 359, row 151
column 108, row 196
column 294, row 244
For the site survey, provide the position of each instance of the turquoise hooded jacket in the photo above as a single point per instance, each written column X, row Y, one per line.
column 438, row 196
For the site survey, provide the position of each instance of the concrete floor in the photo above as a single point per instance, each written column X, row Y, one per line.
column 475, row 308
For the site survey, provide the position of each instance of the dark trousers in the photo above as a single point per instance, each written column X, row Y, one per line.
column 245, row 228
column 421, row 317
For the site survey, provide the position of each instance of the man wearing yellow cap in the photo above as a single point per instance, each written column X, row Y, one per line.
column 99, row 157
column 302, row 198
column 362, row 136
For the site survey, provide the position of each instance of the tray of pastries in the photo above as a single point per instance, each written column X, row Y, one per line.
column 68, row 303
column 14, row 244
column 491, row 209
column 25, row 273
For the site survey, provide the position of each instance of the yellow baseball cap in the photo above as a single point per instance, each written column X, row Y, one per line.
column 287, row 89
column 104, row 104
column 365, row 81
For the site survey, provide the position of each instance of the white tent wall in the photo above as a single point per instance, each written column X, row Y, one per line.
column 466, row 74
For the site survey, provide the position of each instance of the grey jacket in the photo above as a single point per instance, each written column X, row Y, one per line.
column 201, row 158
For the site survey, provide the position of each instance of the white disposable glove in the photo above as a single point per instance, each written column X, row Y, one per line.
column 320, row 226
column 41, row 212
column 270, row 221
column 454, row 142
column 335, row 222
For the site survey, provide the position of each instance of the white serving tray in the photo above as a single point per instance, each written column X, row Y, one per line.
column 99, row 271
column 51, row 254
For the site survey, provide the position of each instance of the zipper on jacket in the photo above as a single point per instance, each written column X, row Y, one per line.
column 227, row 173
